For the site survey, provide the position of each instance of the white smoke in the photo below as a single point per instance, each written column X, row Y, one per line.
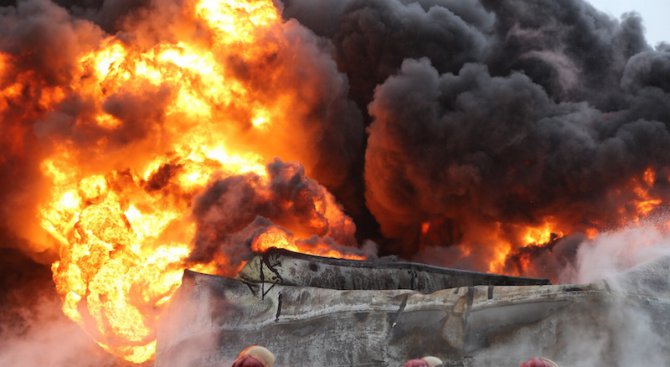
column 611, row 311
column 614, row 252
column 41, row 335
column 630, row 330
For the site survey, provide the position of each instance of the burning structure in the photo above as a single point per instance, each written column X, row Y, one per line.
column 140, row 138
column 325, row 312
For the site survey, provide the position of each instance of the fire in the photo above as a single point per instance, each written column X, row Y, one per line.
column 638, row 200
column 542, row 234
column 502, row 250
column 425, row 227
column 510, row 240
column 591, row 233
column 162, row 111
column 121, row 256
column 275, row 237
column 237, row 20
column 123, row 221
column 645, row 203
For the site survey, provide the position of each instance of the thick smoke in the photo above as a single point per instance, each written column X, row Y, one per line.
column 372, row 38
column 486, row 112
column 109, row 15
column 234, row 211
column 568, row 47
column 473, row 147
column 325, row 131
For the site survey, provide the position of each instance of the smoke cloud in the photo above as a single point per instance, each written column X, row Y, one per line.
column 615, row 252
column 43, row 336
column 498, row 112
column 441, row 129
column 33, row 329
column 234, row 211
column 497, row 148
column 632, row 260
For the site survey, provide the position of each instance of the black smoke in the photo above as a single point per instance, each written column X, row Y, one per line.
column 485, row 112
column 234, row 211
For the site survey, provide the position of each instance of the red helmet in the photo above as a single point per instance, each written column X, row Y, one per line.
column 539, row 362
column 255, row 356
column 247, row 361
column 416, row 363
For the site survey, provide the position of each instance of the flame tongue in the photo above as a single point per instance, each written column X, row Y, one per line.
column 115, row 270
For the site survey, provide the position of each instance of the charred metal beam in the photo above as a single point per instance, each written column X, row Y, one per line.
column 290, row 268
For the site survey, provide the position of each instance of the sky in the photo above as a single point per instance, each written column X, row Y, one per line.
column 654, row 13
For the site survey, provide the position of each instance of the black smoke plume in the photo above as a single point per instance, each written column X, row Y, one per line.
column 485, row 112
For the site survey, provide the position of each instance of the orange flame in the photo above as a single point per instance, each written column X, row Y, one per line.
column 505, row 244
column 275, row 237
column 645, row 203
column 639, row 202
column 122, row 222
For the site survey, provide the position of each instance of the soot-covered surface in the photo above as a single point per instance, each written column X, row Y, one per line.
column 601, row 324
column 291, row 268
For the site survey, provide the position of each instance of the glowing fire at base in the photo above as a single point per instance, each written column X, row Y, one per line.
column 123, row 222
